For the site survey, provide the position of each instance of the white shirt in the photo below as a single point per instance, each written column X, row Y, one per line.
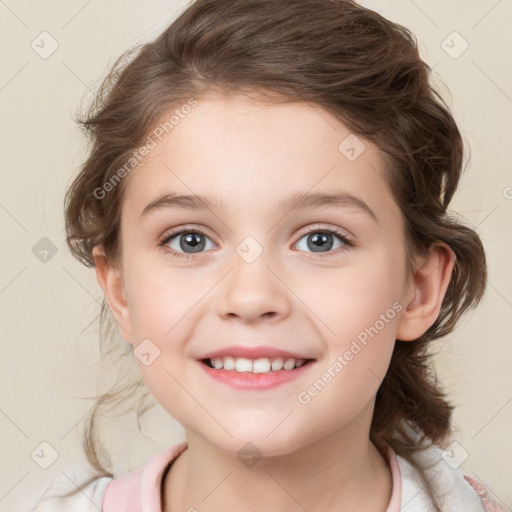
column 459, row 495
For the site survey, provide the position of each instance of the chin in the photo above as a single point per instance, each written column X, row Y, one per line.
column 255, row 443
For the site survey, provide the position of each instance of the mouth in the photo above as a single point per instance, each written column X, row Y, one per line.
column 262, row 365
column 262, row 374
column 254, row 368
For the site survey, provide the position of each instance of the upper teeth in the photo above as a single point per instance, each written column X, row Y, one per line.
column 262, row 365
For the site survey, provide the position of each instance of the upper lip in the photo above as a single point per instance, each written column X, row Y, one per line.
column 252, row 352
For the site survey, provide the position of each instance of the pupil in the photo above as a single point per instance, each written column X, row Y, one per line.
column 194, row 241
column 318, row 240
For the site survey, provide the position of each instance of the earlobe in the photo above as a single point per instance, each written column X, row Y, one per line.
column 112, row 284
column 423, row 303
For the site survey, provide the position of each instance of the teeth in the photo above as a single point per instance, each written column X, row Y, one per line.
column 227, row 364
column 277, row 364
column 243, row 365
column 289, row 364
column 262, row 365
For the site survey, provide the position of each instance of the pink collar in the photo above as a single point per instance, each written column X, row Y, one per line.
column 395, row 501
column 140, row 490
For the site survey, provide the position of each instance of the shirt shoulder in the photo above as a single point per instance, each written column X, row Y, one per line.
column 454, row 490
column 87, row 498
column 135, row 491
column 141, row 489
column 489, row 505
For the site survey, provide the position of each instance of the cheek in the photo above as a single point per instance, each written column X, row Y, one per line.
column 354, row 296
column 360, row 310
column 158, row 299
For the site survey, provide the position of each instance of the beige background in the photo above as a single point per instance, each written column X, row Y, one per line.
column 49, row 333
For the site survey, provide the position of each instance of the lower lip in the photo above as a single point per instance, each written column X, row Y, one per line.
column 256, row 381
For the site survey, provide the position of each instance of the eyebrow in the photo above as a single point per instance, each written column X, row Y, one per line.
column 297, row 200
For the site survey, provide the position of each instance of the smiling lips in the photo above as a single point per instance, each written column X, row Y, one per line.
column 261, row 365
column 253, row 367
column 263, row 359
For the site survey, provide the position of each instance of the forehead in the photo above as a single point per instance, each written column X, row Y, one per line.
column 238, row 149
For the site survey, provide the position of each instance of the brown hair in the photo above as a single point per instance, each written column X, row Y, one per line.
column 358, row 66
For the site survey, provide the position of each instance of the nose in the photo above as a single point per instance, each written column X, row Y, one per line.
column 253, row 291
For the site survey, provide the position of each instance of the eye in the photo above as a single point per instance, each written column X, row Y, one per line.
column 185, row 242
column 323, row 241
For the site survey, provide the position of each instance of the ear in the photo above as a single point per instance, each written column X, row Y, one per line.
column 112, row 284
column 430, row 281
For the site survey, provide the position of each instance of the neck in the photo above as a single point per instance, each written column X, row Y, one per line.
column 342, row 471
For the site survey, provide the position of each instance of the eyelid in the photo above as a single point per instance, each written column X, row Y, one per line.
column 184, row 229
column 346, row 239
column 309, row 228
column 302, row 231
column 318, row 226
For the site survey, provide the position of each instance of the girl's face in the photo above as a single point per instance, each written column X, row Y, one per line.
column 322, row 278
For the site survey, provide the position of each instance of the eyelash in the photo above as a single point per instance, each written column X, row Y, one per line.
column 169, row 236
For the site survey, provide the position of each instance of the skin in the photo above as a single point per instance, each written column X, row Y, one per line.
column 315, row 456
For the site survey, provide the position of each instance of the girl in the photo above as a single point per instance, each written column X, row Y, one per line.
column 265, row 206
